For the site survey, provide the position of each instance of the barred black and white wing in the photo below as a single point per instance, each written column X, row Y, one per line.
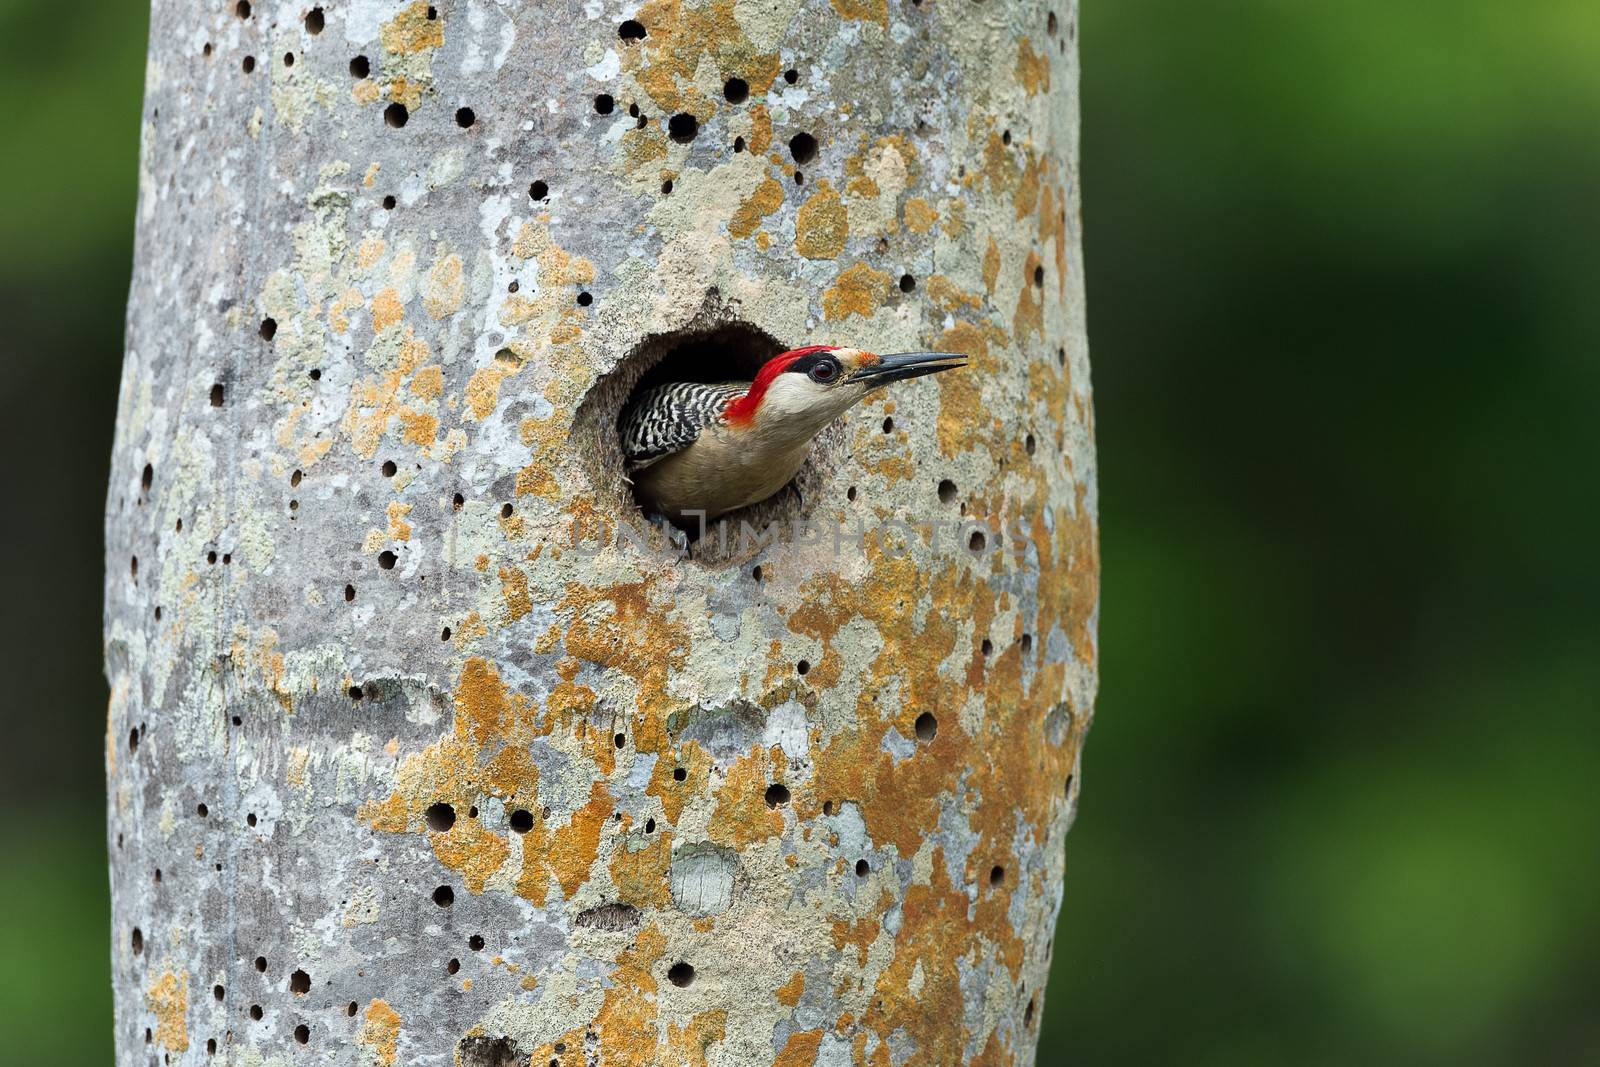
column 668, row 418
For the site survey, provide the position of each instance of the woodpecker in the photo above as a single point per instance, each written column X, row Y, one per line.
column 711, row 448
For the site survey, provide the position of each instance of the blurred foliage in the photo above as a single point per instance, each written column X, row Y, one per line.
column 1338, row 802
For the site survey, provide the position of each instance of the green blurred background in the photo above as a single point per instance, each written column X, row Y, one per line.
column 1339, row 802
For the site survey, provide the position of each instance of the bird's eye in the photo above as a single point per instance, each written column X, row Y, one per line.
column 825, row 371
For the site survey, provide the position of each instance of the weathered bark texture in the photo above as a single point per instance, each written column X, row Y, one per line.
column 398, row 773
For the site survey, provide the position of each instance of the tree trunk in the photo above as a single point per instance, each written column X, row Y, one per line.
column 424, row 746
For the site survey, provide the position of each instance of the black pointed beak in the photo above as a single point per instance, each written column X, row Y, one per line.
column 904, row 365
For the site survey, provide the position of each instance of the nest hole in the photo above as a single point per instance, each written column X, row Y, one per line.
column 713, row 348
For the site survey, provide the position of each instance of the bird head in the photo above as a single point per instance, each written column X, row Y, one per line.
column 804, row 389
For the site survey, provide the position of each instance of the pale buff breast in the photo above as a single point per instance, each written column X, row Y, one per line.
column 723, row 470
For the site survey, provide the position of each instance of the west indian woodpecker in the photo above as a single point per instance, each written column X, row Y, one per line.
column 693, row 448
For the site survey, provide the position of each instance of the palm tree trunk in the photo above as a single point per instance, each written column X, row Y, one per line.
column 424, row 746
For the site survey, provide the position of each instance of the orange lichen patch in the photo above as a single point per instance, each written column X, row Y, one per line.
column 1033, row 68
column 1029, row 316
column 898, row 800
column 767, row 198
column 370, row 251
column 626, row 1021
column 991, row 266
column 690, row 1045
column 1027, row 192
column 999, row 166
column 788, row 993
column 514, row 590
column 381, row 1031
column 399, row 528
column 444, row 288
column 642, row 147
column 483, row 388
column 859, row 933
column 680, row 38
column 642, row 875
column 822, row 224
column 407, row 91
column 947, row 296
column 557, row 266
column 168, row 998
column 366, row 91
column 801, row 1048
column 373, row 402
column 567, row 853
column 413, row 30
column 962, row 415
column 761, row 125
column 428, row 382
column 742, row 816
column 920, row 215
column 618, row 627
column 862, row 187
column 863, row 11
column 859, row 290
column 933, row 935
column 418, row 428
column 387, row 310
column 471, row 851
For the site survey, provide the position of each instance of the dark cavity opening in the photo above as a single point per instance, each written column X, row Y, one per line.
column 219, row 393
column 947, row 491
column 314, row 21
column 631, row 30
column 907, row 283
column 680, row 974
column 604, row 104
column 927, row 727
column 440, row 817
column 269, row 328
column 475, row 942
column 862, row 868
column 538, row 191
column 522, row 820
column 299, row 982
column 465, row 117
column 360, row 67
column 386, row 560
column 791, row 75
column 777, row 794
column 396, row 115
column 489, row 1052
column 683, row 127
column 444, row 896
column 736, row 90
column 803, row 147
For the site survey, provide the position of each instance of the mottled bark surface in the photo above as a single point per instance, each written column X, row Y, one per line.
column 398, row 773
